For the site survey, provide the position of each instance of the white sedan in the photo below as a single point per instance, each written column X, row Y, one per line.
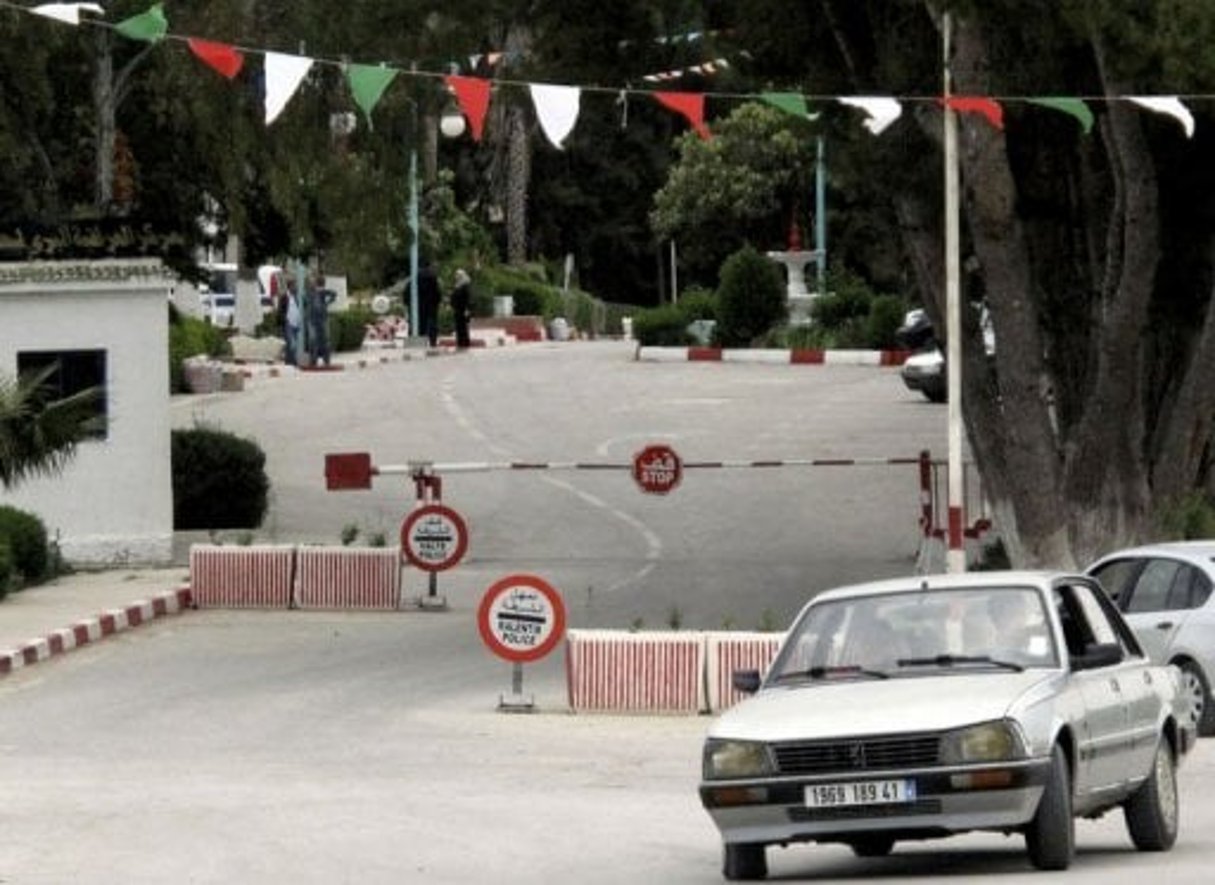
column 922, row 707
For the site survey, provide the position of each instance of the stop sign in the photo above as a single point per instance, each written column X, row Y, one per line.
column 657, row 469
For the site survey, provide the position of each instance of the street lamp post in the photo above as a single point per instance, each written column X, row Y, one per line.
column 452, row 125
column 415, row 230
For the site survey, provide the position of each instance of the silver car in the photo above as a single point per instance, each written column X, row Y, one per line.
column 922, row 707
column 1164, row 592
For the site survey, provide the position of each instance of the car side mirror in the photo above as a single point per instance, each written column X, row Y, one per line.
column 746, row 681
column 1101, row 655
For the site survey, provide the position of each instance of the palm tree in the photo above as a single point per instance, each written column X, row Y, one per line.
column 39, row 437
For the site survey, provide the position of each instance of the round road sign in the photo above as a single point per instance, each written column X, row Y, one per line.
column 521, row 618
column 434, row 537
column 657, row 469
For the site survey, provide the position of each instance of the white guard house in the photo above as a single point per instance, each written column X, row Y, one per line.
column 106, row 323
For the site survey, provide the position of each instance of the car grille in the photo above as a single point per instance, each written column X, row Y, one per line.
column 863, row 812
column 857, row 754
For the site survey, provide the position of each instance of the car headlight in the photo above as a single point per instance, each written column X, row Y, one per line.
column 734, row 759
column 989, row 742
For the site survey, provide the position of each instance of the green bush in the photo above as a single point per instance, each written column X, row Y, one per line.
column 750, row 298
column 886, row 314
column 698, row 304
column 219, row 480
column 189, row 337
column 1191, row 518
column 347, row 328
column 852, row 315
column 613, row 314
column 26, row 539
column 6, row 567
column 585, row 312
column 664, row 326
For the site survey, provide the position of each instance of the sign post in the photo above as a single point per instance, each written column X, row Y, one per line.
column 433, row 538
column 521, row 619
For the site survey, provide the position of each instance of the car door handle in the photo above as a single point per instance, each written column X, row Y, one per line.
column 1165, row 625
column 1115, row 686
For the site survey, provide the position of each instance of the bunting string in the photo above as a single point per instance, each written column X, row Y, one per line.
column 558, row 105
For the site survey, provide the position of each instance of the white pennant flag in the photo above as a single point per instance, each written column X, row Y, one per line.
column 1170, row 105
column 882, row 111
column 557, row 109
column 67, row 12
column 284, row 73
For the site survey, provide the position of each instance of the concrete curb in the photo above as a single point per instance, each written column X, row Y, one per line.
column 368, row 358
column 772, row 356
column 95, row 629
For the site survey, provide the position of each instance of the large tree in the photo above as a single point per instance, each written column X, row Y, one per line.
column 1094, row 254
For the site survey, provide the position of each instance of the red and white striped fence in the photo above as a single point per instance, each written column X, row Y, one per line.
column 345, row 578
column 614, row 671
column 257, row 576
column 727, row 652
column 621, row 672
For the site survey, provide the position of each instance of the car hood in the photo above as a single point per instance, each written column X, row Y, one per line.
column 814, row 710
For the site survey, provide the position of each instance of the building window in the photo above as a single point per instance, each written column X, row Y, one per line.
column 76, row 370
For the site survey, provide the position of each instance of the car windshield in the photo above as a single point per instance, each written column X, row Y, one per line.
column 959, row 630
column 222, row 281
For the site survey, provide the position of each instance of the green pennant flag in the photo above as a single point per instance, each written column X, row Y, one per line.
column 150, row 26
column 789, row 102
column 368, row 83
column 1073, row 106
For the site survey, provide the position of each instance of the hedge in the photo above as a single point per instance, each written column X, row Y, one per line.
column 25, row 536
column 219, row 480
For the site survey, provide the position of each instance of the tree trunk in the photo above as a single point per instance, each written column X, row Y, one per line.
column 518, row 180
column 1020, row 458
column 106, row 129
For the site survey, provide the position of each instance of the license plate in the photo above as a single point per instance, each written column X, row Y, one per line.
column 860, row 793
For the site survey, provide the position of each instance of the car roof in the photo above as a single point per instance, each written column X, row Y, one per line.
column 1199, row 551
column 965, row 581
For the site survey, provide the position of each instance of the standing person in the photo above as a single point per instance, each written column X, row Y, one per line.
column 291, row 323
column 428, row 303
column 319, row 299
column 461, row 299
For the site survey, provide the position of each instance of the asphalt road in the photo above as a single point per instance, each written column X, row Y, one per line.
column 295, row 747
column 268, row 747
column 728, row 547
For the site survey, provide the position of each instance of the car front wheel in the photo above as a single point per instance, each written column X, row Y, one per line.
column 744, row 862
column 1152, row 812
column 1051, row 836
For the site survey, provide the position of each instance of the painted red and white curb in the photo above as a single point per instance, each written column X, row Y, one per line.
column 93, row 629
column 773, row 357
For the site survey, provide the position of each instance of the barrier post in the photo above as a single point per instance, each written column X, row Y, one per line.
column 429, row 489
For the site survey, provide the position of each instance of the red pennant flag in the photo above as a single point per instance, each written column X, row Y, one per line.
column 691, row 105
column 219, row 56
column 985, row 106
column 473, row 95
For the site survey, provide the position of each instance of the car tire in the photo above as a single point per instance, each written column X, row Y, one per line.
column 744, row 862
column 872, row 846
column 1050, row 837
column 935, row 393
column 1152, row 812
column 1196, row 687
